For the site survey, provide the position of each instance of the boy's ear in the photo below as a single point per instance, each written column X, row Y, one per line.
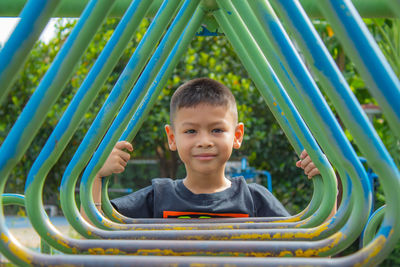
column 239, row 132
column 171, row 137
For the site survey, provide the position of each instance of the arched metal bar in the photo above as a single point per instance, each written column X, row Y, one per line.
column 372, row 226
column 83, row 99
column 362, row 49
column 247, row 22
column 34, row 113
column 34, row 18
column 228, row 11
column 73, row 8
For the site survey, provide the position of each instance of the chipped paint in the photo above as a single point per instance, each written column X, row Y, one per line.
column 316, row 252
column 21, row 254
column 15, row 249
column 170, row 252
column 116, row 217
column 285, row 253
column 102, row 251
column 265, row 236
column 376, row 246
column 294, row 219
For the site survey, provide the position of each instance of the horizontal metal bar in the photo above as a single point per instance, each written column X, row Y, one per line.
column 73, row 8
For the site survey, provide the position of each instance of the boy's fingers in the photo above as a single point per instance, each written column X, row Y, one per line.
column 309, row 168
column 119, row 169
column 305, row 162
column 298, row 164
column 124, row 145
column 303, row 154
column 313, row 173
column 123, row 162
column 124, row 155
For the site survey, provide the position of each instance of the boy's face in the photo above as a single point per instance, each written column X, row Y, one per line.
column 204, row 136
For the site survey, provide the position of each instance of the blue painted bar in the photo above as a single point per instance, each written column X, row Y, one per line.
column 277, row 74
column 147, row 81
column 94, row 134
column 308, row 96
column 33, row 19
column 113, row 102
column 337, row 89
column 362, row 49
column 51, row 86
column 87, row 91
column 82, row 100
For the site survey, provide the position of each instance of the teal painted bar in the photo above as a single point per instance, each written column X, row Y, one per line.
column 248, row 18
column 81, row 102
column 361, row 47
column 372, row 226
column 263, row 84
column 15, row 52
column 140, row 89
column 73, row 8
column 323, row 124
column 138, row 61
column 51, row 86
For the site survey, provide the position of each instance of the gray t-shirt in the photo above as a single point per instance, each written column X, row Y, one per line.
column 167, row 198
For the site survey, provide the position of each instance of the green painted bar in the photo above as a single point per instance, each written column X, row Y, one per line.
column 264, row 44
column 366, row 8
column 85, row 35
column 372, row 226
column 243, row 54
column 331, row 147
column 8, row 76
column 394, row 6
column 147, row 49
column 159, row 61
column 19, row 200
column 261, row 83
column 73, row 8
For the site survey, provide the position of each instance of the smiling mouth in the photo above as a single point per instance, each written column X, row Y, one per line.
column 205, row 156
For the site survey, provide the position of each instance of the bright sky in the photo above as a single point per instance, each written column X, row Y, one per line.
column 7, row 25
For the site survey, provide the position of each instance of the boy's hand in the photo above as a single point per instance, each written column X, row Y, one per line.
column 117, row 159
column 307, row 165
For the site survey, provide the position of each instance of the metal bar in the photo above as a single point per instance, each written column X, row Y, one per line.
column 81, row 102
column 367, row 8
column 248, row 18
column 73, row 8
column 131, row 104
column 13, row 55
column 34, row 113
column 342, row 97
column 13, row 199
column 372, row 226
column 114, row 101
column 394, row 5
column 245, row 59
column 137, row 61
column 325, row 121
column 362, row 49
column 51, row 86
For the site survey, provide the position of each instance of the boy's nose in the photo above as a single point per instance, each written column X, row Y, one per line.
column 204, row 142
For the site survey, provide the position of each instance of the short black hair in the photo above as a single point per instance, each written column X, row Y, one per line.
column 202, row 91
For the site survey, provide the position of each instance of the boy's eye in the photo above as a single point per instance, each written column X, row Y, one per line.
column 190, row 131
column 217, row 130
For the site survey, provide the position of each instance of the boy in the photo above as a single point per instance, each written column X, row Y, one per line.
column 204, row 129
